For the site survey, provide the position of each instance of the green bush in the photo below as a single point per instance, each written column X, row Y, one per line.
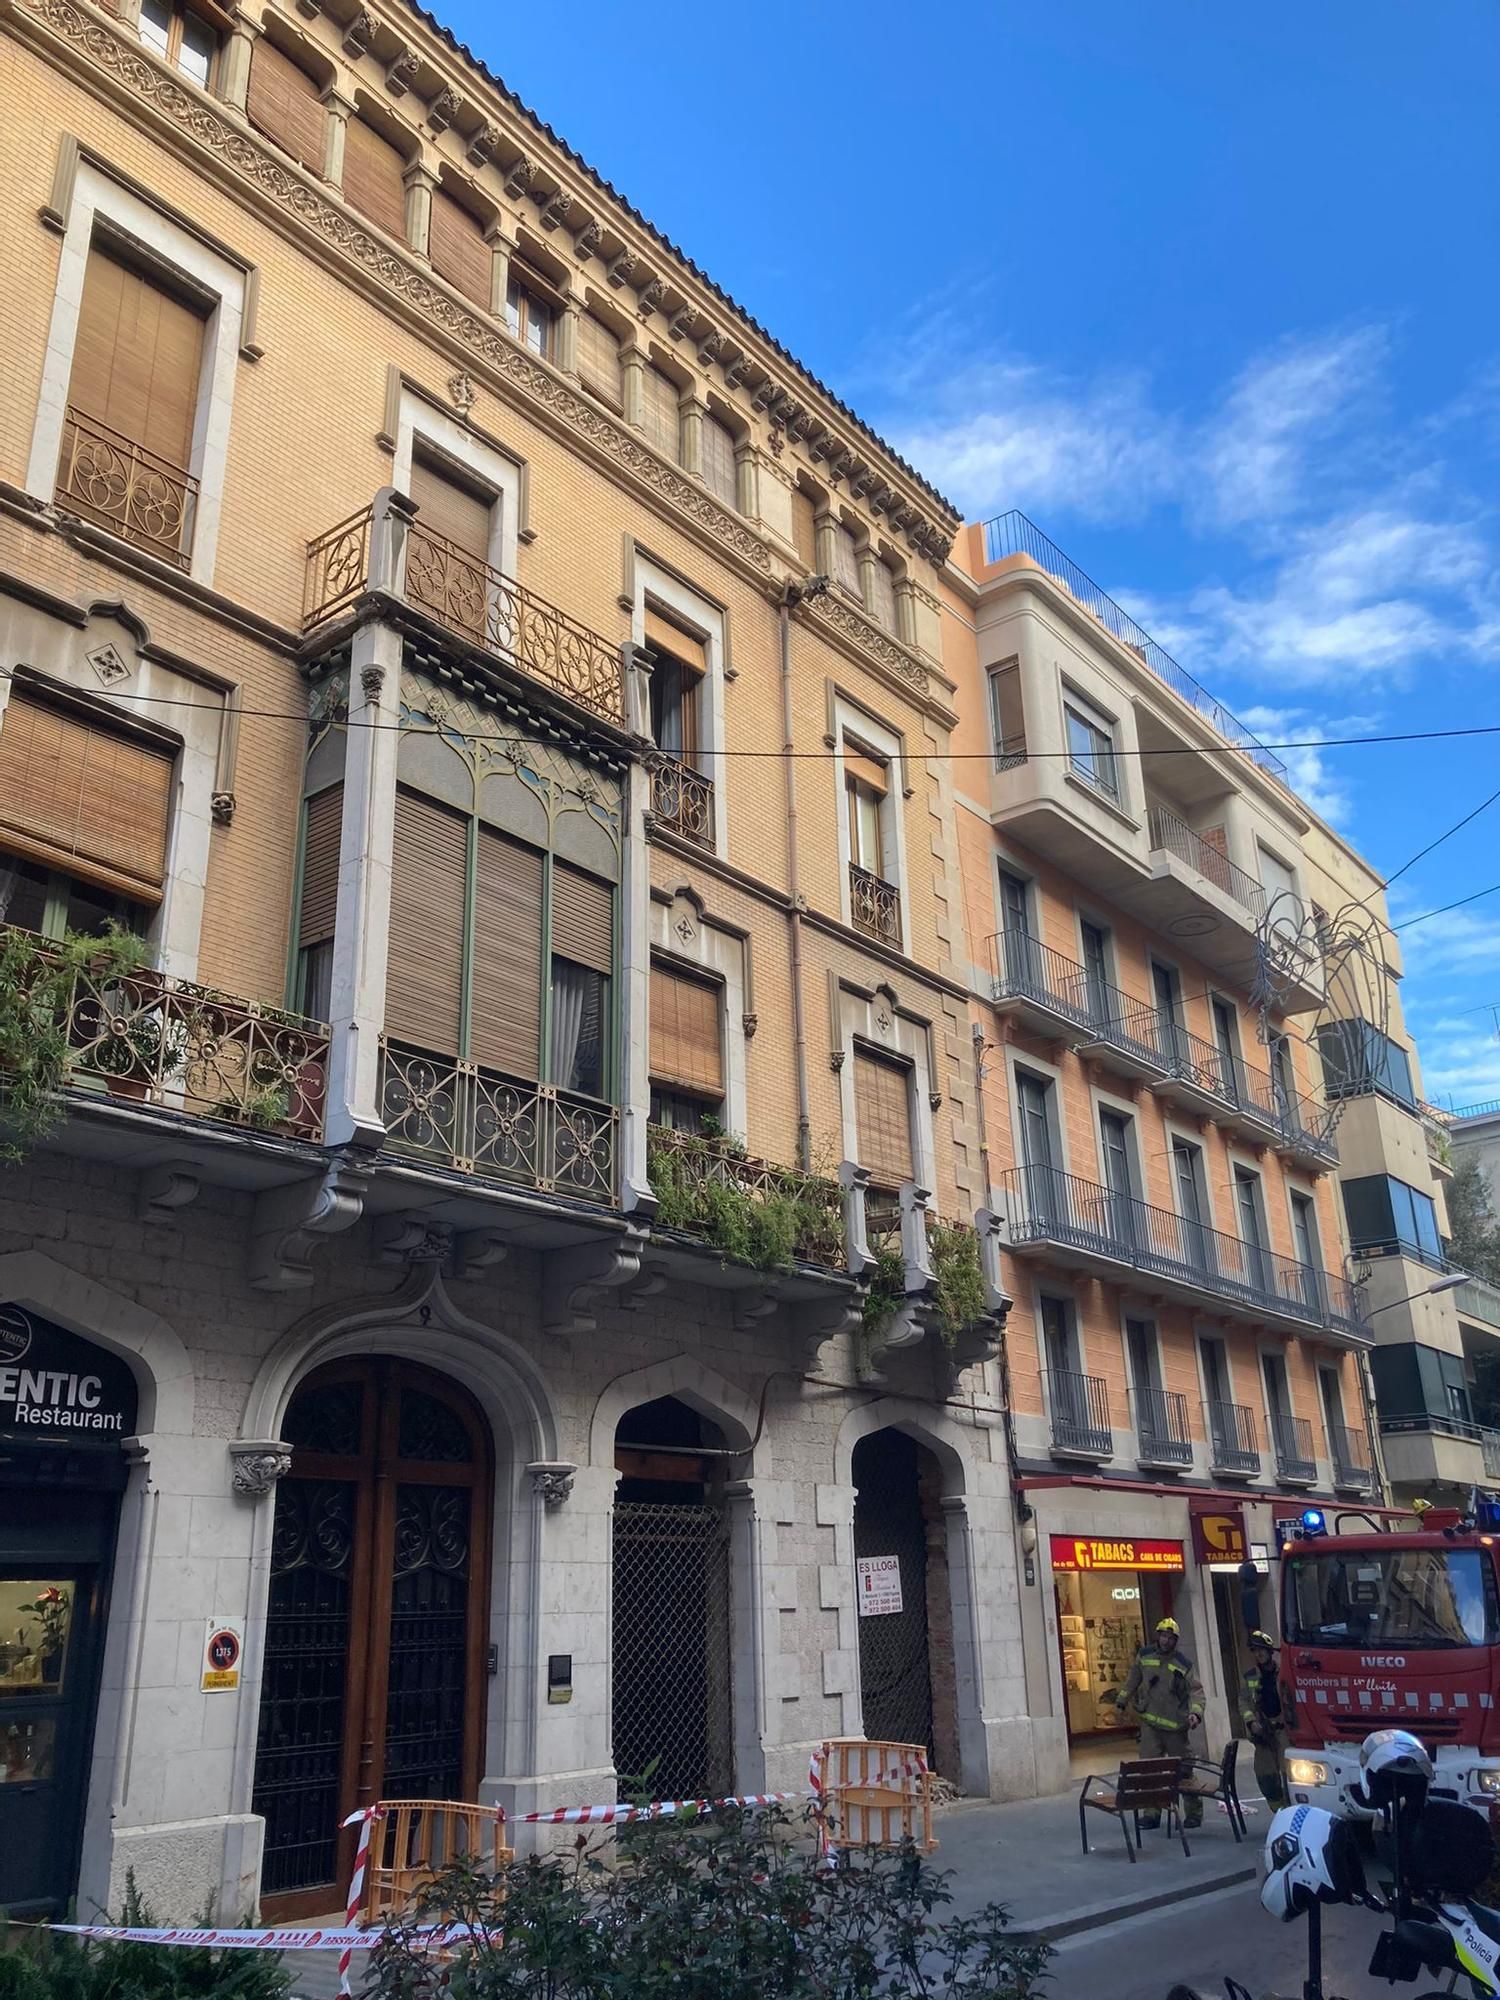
column 35, row 993
column 958, row 1280
column 719, row 1908
column 50, row 1965
column 768, row 1231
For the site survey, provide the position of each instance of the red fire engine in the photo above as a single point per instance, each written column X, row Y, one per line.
column 1394, row 1630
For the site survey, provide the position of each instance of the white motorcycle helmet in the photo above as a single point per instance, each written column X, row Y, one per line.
column 1311, row 1857
column 1392, row 1762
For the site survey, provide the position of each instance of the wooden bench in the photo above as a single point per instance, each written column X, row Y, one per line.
column 1150, row 1784
column 416, row 1839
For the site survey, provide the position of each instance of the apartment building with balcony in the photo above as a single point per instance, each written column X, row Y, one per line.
column 517, row 1240
column 1185, row 1345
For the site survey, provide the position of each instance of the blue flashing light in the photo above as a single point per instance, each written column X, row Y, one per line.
column 1487, row 1513
column 1314, row 1521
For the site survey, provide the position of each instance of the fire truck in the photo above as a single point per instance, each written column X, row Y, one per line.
column 1393, row 1629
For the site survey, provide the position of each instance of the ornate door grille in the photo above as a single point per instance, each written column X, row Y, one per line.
column 894, row 1665
column 671, row 1652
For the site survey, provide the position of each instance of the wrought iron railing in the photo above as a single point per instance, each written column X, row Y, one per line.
column 812, row 1206
column 1171, row 834
column 1292, row 1441
column 502, row 1128
column 874, row 905
column 1010, row 753
column 474, row 600
column 1079, row 1407
column 1045, row 1205
column 1161, row 1426
column 150, row 1037
column 1351, row 1458
column 1025, row 968
column 1233, row 1443
column 110, row 479
column 1486, row 1109
column 1013, row 534
column 682, row 799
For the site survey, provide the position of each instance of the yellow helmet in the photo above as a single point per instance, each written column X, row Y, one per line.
column 1169, row 1625
column 1262, row 1639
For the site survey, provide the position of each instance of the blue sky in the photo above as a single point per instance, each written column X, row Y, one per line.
column 1210, row 292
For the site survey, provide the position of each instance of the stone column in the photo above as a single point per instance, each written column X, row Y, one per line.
column 420, row 181
column 340, row 111
column 501, row 247
column 748, row 1678
column 234, row 69
column 906, row 611
column 868, row 562
column 635, row 966
column 567, row 336
column 826, row 539
column 692, row 436
column 633, row 365
column 747, row 482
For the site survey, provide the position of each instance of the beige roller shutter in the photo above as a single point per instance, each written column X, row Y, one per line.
column 583, row 918
column 285, row 103
column 687, row 1036
column 458, row 251
column 882, row 1111
column 373, row 183
column 320, row 867
column 505, row 1009
column 424, row 977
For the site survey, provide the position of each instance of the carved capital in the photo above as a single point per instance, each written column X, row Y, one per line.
column 443, row 109
column 255, row 1465
column 551, row 1481
column 401, row 73
column 360, row 33
column 221, row 805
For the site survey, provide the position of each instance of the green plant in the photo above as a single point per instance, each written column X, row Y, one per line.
column 958, row 1294
column 48, row 1965
column 698, row 1191
column 886, row 1292
column 707, row 1907
column 38, row 985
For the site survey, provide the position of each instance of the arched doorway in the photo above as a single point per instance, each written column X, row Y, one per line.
column 906, row 1660
column 672, row 1630
column 376, row 1624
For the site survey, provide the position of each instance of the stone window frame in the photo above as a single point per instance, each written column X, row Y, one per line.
column 96, row 202
column 722, row 952
column 448, row 437
column 907, row 1036
column 649, row 578
column 848, row 718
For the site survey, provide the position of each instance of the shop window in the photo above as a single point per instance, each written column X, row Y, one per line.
column 285, row 103
column 687, row 1049
column 531, row 317
column 1101, row 1623
column 181, row 37
column 374, row 177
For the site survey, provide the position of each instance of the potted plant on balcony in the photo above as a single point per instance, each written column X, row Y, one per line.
column 39, row 993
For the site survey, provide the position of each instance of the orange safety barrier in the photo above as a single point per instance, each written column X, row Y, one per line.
column 875, row 1794
column 416, row 1839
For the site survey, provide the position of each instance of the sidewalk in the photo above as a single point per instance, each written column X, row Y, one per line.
column 1028, row 1857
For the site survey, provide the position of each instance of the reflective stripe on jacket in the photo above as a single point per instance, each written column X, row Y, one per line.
column 1163, row 1688
column 1254, row 1716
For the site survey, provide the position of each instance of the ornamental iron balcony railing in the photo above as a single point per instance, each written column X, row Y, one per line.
column 1079, row 1407
column 111, row 480
column 151, row 1038
column 1233, row 1443
column 874, row 905
column 1292, row 1441
column 1013, row 534
column 469, row 598
column 478, row 1121
column 1047, row 1206
column 1161, row 1426
column 1025, row 968
column 1010, row 753
column 682, row 799
column 1351, row 1458
column 1172, row 835
column 803, row 1212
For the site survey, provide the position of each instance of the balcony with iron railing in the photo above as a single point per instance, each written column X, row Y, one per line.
column 1161, row 1427
column 146, row 1037
column 381, row 547
column 1233, row 1444
column 1171, row 836
column 874, row 906
column 1352, row 1470
column 1292, row 1442
column 476, row 1120
column 772, row 1215
column 682, row 799
column 1078, row 1406
column 1079, row 1223
column 111, row 480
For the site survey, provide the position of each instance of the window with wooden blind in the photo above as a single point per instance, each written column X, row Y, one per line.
column 373, row 183
column 425, row 965
column 883, row 595
column 846, row 560
column 78, row 796
column 679, row 661
column 882, row 1114
column 599, row 365
column 457, row 249
column 866, row 783
column 286, row 104
column 318, row 903
column 720, row 471
column 531, row 317
column 137, row 358
column 505, row 1008
column 458, row 513
column 661, row 418
column 582, row 961
column 687, row 1032
column 805, row 528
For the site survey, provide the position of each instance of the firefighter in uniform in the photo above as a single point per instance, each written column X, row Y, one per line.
column 1164, row 1696
column 1266, row 1710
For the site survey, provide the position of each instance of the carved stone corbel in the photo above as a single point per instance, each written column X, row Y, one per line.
column 164, row 1189
column 482, row 144
column 518, row 180
column 551, row 1481
column 816, row 1323
column 555, row 209
column 650, row 296
column 751, row 1307
column 576, row 1284
column 907, row 1327
column 412, row 1239
column 360, row 33
column 289, row 1222
column 401, row 72
column 478, row 1250
column 443, row 109
column 586, row 242
column 255, row 1465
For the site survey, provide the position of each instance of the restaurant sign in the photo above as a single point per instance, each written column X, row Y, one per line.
column 1085, row 1552
column 55, row 1385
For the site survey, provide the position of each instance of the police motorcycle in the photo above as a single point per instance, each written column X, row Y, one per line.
column 1438, row 1854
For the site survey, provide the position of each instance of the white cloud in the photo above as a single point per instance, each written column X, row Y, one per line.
column 1327, row 791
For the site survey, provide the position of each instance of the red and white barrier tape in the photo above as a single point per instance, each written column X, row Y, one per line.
column 287, row 1940
column 659, row 1809
column 365, row 1821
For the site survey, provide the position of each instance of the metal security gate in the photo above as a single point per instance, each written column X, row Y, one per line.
column 895, row 1667
column 671, row 1653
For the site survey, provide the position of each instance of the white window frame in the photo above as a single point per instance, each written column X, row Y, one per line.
column 446, row 438
column 863, row 727
column 681, row 934
column 1093, row 717
column 706, row 619
column 861, row 1016
column 97, row 198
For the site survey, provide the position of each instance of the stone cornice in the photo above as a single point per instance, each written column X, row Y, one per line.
column 299, row 202
column 907, row 668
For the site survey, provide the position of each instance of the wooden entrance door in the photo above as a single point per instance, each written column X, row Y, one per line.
column 374, row 1675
